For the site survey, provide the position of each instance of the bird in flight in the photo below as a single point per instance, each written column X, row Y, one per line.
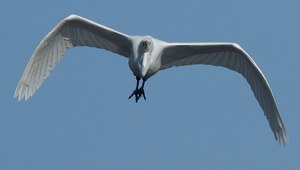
column 146, row 56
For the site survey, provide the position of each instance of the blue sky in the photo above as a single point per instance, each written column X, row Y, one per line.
column 198, row 117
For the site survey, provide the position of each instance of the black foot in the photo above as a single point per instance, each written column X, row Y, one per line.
column 138, row 93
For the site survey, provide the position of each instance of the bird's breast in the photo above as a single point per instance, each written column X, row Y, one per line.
column 154, row 66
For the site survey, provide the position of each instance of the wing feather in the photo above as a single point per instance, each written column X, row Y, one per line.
column 231, row 56
column 73, row 31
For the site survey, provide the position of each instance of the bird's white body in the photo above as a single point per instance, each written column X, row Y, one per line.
column 151, row 58
column 146, row 56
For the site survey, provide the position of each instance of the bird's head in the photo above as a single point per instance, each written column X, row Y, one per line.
column 144, row 55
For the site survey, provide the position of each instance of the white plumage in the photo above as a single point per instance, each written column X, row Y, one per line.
column 147, row 56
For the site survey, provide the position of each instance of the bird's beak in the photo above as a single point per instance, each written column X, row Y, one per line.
column 144, row 64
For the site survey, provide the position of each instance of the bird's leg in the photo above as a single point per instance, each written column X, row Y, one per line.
column 138, row 92
column 136, row 89
column 142, row 92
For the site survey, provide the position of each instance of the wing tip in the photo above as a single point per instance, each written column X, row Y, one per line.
column 22, row 92
column 281, row 136
column 22, row 96
column 283, row 140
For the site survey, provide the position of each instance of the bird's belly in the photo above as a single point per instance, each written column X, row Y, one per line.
column 151, row 71
column 153, row 68
column 134, row 68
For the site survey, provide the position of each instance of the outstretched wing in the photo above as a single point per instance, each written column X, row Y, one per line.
column 231, row 56
column 71, row 32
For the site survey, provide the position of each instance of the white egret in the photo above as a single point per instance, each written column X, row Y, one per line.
column 146, row 56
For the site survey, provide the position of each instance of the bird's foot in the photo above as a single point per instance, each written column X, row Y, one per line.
column 138, row 93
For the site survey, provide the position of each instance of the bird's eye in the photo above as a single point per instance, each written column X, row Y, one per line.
column 149, row 42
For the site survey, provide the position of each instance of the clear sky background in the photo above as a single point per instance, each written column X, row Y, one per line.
column 197, row 117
